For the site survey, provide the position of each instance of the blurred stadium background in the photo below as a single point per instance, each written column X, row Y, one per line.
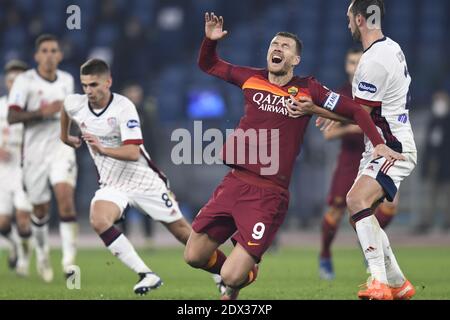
column 152, row 47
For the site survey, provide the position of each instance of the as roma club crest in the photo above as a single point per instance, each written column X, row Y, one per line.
column 293, row 91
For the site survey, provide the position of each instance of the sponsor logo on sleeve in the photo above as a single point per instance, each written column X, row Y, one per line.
column 364, row 86
column 133, row 124
column 332, row 101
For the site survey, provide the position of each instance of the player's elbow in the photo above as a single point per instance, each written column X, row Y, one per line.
column 134, row 153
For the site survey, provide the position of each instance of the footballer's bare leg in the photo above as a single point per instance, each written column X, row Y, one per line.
column 40, row 219
column 239, row 270
column 23, row 222
column 102, row 217
column 202, row 252
column 68, row 226
column 181, row 230
column 374, row 242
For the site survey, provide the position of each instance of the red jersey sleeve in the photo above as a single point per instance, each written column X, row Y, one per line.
column 210, row 63
column 346, row 107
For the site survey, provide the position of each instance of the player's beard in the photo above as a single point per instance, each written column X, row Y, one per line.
column 356, row 35
column 279, row 73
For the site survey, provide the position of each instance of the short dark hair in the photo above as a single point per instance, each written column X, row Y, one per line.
column 44, row 38
column 94, row 67
column 15, row 65
column 361, row 6
column 298, row 42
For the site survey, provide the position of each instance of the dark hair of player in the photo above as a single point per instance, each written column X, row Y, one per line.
column 361, row 6
column 15, row 65
column 94, row 67
column 298, row 42
column 44, row 38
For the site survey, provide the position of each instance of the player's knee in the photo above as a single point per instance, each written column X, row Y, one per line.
column 232, row 278
column 40, row 211
column 66, row 208
column 194, row 259
column 355, row 203
column 99, row 224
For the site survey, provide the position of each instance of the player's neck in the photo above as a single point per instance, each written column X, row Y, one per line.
column 281, row 80
column 49, row 75
column 370, row 37
column 102, row 103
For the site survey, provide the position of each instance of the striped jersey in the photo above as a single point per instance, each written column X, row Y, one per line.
column 115, row 125
column 382, row 82
column 29, row 92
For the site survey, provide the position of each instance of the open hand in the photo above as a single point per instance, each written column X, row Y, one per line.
column 93, row 142
column 301, row 107
column 383, row 150
column 214, row 26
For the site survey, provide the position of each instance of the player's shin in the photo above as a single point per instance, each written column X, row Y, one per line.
column 23, row 253
column 39, row 229
column 121, row 247
column 369, row 235
column 68, row 229
column 10, row 234
column 394, row 274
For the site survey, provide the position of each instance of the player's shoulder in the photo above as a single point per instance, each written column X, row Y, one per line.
column 28, row 75
column 382, row 52
column 74, row 102
column 121, row 102
column 64, row 75
column 306, row 81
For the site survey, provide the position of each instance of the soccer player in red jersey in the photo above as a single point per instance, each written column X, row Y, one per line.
column 251, row 202
column 352, row 147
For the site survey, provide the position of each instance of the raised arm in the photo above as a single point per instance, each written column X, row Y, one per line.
column 208, row 59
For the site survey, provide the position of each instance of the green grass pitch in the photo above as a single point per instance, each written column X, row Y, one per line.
column 290, row 273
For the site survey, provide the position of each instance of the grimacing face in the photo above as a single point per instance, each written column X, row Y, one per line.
column 48, row 55
column 96, row 87
column 282, row 55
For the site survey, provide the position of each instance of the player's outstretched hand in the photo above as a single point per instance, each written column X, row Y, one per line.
column 93, row 142
column 214, row 26
column 301, row 107
column 383, row 150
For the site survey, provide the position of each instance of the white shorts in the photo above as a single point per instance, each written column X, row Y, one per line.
column 388, row 174
column 12, row 195
column 41, row 172
column 160, row 206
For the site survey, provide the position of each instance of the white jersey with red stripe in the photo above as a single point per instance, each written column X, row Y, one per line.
column 382, row 82
column 29, row 92
column 115, row 125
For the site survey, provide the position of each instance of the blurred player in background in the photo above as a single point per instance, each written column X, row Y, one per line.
column 36, row 100
column 352, row 147
column 250, row 204
column 110, row 126
column 381, row 86
column 12, row 195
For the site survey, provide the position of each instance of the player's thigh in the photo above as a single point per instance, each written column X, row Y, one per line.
column 63, row 167
column 199, row 248
column 364, row 193
column 181, row 229
column 258, row 216
column 107, row 207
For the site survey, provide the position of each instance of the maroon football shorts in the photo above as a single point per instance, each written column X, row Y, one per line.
column 248, row 207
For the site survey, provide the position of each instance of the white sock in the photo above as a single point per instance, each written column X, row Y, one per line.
column 68, row 232
column 124, row 250
column 394, row 275
column 369, row 236
column 24, row 250
column 39, row 229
